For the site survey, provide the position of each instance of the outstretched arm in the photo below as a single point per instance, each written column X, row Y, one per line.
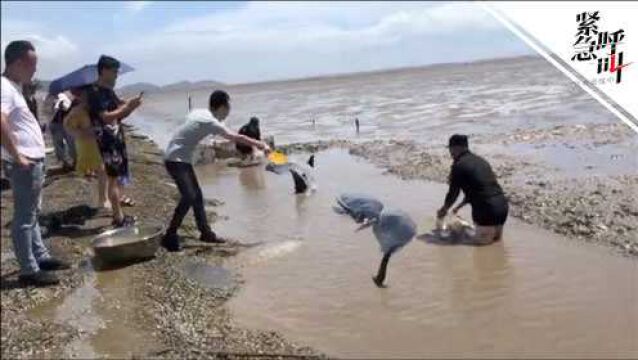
column 453, row 192
column 245, row 140
column 124, row 110
column 461, row 205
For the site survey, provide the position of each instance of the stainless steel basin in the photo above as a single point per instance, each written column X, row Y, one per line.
column 127, row 244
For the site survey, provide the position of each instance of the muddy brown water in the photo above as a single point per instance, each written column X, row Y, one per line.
column 536, row 294
column 100, row 310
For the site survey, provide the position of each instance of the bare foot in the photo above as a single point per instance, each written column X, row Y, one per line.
column 105, row 205
column 378, row 283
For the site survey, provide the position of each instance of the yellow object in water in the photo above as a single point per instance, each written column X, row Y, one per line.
column 278, row 158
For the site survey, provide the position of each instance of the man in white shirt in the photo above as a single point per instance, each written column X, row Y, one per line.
column 178, row 159
column 23, row 154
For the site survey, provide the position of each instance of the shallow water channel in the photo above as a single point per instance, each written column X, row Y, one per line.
column 536, row 294
column 101, row 311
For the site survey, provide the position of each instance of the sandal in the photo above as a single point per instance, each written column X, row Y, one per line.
column 127, row 201
column 126, row 221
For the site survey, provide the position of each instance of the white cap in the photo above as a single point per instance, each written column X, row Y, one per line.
column 62, row 101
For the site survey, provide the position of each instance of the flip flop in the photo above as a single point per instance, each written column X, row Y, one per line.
column 127, row 201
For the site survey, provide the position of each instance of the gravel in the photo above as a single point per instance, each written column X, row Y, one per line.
column 186, row 318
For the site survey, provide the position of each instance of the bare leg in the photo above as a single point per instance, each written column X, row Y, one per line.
column 114, row 197
column 101, row 189
column 485, row 235
column 499, row 233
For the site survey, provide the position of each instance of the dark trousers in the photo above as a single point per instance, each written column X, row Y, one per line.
column 491, row 211
column 191, row 196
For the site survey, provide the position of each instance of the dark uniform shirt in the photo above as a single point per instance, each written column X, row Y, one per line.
column 252, row 131
column 472, row 174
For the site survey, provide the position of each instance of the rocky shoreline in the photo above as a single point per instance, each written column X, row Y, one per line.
column 600, row 209
column 180, row 317
column 166, row 307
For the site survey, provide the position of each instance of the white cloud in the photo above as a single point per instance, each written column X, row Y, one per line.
column 56, row 53
column 258, row 16
column 270, row 40
column 293, row 32
column 136, row 6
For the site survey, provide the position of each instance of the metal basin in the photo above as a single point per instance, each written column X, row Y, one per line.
column 127, row 244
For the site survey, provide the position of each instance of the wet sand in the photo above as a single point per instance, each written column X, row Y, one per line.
column 592, row 196
column 159, row 308
column 520, row 117
column 561, row 156
column 534, row 295
column 419, row 104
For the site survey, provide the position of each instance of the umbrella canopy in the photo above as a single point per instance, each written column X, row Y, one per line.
column 83, row 76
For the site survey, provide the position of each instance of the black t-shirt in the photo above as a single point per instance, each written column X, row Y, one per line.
column 102, row 99
column 472, row 174
column 251, row 131
column 109, row 136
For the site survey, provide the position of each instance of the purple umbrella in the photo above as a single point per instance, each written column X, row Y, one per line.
column 83, row 76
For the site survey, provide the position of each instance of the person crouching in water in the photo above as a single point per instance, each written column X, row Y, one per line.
column 89, row 160
column 472, row 174
column 252, row 131
column 179, row 158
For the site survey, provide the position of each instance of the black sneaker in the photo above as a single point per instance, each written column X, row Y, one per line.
column 41, row 278
column 66, row 167
column 211, row 238
column 171, row 243
column 53, row 264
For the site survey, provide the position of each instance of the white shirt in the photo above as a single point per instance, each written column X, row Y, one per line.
column 23, row 126
column 199, row 124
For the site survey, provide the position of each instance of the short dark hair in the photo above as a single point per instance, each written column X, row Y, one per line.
column 458, row 140
column 218, row 99
column 16, row 50
column 107, row 62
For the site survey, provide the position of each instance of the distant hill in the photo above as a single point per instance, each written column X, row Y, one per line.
column 198, row 85
column 178, row 86
column 182, row 86
column 136, row 88
column 191, row 86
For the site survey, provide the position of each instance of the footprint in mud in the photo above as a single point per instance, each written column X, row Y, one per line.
column 273, row 251
column 213, row 277
column 230, row 248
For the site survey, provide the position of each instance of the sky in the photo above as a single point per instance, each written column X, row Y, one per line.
column 242, row 42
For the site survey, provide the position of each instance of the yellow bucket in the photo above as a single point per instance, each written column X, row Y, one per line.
column 277, row 158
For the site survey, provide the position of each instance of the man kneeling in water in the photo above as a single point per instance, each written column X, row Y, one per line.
column 178, row 160
column 472, row 174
